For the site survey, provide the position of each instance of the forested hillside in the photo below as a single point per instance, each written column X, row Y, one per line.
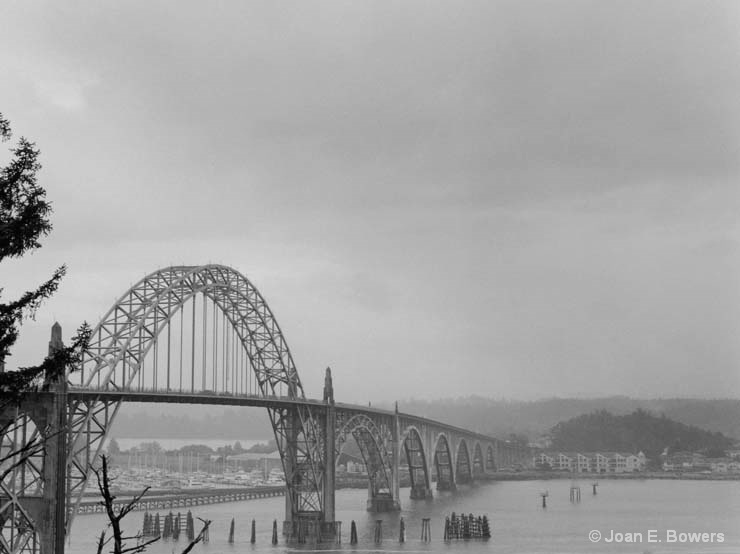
column 638, row 431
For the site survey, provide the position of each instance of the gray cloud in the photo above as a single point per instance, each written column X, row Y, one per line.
column 538, row 196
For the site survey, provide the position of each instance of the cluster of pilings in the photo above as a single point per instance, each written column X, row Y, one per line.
column 575, row 494
column 151, row 526
column 467, row 527
column 170, row 526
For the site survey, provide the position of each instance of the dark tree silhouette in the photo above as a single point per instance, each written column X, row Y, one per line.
column 24, row 220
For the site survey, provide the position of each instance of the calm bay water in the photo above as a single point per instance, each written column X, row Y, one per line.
column 519, row 523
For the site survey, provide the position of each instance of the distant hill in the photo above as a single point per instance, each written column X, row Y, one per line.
column 535, row 418
column 638, row 431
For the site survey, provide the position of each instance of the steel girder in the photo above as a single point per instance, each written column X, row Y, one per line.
column 130, row 329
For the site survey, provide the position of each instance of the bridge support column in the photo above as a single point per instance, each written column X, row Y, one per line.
column 59, row 470
column 34, row 516
column 39, row 511
column 396, row 460
column 289, row 465
column 330, row 423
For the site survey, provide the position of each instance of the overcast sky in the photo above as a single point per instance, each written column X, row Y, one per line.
column 511, row 199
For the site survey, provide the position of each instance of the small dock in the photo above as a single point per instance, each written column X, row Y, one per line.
column 184, row 499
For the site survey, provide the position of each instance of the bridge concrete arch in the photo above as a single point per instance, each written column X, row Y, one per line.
column 416, row 460
column 478, row 463
column 491, row 457
column 463, row 463
column 374, row 438
column 444, row 463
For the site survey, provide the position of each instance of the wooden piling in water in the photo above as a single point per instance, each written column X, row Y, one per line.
column 378, row 531
column 353, row 533
column 253, row 537
column 190, row 527
column 486, row 527
column 402, row 531
column 274, row 532
column 594, row 485
column 231, row 531
column 426, row 530
column 167, row 531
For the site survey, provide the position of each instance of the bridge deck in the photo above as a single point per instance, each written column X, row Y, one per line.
column 225, row 399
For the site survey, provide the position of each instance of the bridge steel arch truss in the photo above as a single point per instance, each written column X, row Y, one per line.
column 130, row 330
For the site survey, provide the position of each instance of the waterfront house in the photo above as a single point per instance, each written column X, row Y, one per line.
column 583, row 463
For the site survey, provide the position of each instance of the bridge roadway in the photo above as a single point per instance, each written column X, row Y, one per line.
column 259, row 401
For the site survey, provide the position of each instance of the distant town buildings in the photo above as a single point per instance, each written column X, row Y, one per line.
column 347, row 463
column 591, row 462
column 695, row 462
column 626, row 462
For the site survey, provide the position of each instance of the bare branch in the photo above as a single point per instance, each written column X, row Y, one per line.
column 27, row 451
column 139, row 547
column 101, row 542
column 132, row 503
column 196, row 540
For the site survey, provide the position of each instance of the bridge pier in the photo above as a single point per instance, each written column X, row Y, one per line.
column 396, row 461
column 421, row 492
column 382, row 503
column 309, row 526
column 330, row 424
column 42, row 497
column 37, row 510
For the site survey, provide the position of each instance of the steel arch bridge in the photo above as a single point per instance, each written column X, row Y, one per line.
column 205, row 335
